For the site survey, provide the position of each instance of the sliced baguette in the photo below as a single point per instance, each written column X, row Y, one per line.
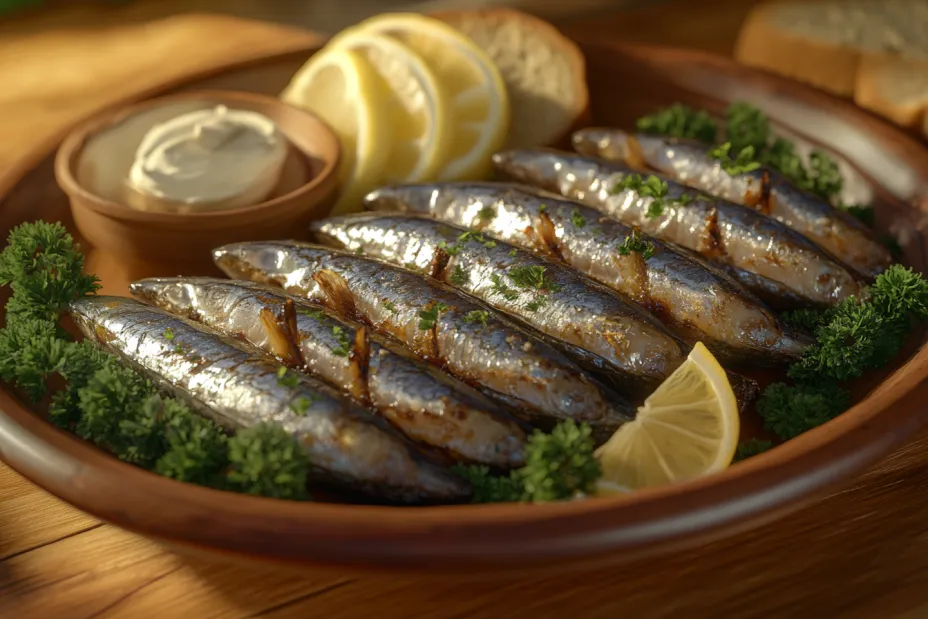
column 893, row 87
column 545, row 72
column 875, row 51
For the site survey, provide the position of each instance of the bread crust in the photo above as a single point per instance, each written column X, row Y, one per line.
column 577, row 112
column 761, row 44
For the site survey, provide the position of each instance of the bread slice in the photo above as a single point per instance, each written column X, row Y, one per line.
column 893, row 87
column 873, row 50
column 544, row 71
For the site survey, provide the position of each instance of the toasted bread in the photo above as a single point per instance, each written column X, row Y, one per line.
column 872, row 50
column 544, row 71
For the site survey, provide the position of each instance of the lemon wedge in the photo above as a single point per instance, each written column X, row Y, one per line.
column 416, row 104
column 687, row 428
column 479, row 103
column 347, row 93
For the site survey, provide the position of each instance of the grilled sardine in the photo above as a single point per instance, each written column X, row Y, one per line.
column 435, row 322
column 237, row 386
column 715, row 228
column 426, row 405
column 610, row 333
column 692, row 298
column 763, row 189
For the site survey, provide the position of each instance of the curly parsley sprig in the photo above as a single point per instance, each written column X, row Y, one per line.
column 106, row 402
column 558, row 466
column 855, row 336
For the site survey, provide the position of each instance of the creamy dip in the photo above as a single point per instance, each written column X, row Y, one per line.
column 207, row 160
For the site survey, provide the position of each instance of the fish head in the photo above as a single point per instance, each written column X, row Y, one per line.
column 252, row 260
column 537, row 167
column 612, row 144
column 90, row 313
column 402, row 198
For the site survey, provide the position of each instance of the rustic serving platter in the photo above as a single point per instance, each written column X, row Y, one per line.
column 625, row 82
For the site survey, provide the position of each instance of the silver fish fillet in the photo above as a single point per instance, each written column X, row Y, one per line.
column 717, row 229
column 763, row 189
column 435, row 322
column 692, row 298
column 425, row 404
column 237, row 386
column 612, row 334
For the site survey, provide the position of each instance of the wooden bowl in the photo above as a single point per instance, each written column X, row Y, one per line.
column 625, row 81
column 93, row 162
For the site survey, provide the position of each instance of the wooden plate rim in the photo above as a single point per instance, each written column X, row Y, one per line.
column 460, row 537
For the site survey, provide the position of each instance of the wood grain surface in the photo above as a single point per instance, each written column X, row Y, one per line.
column 861, row 554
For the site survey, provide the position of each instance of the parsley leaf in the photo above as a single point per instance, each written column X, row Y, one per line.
column 477, row 316
column 741, row 164
column 429, row 316
column 680, row 121
column 635, row 242
column 458, row 276
column 344, row 342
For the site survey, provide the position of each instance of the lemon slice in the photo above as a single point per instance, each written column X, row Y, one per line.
column 417, row 106
column 346, row 92
column 479, row 103
column 687, row 428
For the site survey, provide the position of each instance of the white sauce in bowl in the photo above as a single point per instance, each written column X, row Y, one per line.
column 207, row 160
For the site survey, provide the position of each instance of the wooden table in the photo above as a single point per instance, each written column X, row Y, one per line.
column 861, row 554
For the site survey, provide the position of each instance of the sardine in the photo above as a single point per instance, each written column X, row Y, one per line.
column 440, row 325
column 718, row 229
column 237, row 386
column 426, row 405
column 612, row 334
column 692, row 298
column 763, row 189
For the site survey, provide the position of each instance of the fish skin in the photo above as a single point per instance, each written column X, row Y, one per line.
column 621, row 336
column 717, row 229
column 426, row 405
column 511, row 363
column 763, row 189
column 693, row 298
column 237, row 386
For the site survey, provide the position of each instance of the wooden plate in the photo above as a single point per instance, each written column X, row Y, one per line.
column 625, row 81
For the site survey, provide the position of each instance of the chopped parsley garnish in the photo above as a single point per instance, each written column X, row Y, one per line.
column 635, row 242
column 390, row 306
column 451, row 250
column 577, row 219
column 513, row 253
column 500, row 287
column 458, row 276
column 650, row 187
column 300, row 405
column 477, row 316
column 536, row 304
column 743, row 163
column 412, row 266
column 286, row 378
column 680, row 121
column 344, row 342
column 486, row 214
column 168, row 334
column 429, row 316
column 532, row 277
column 542, row 208
column 315, row 314
column 470, row 235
